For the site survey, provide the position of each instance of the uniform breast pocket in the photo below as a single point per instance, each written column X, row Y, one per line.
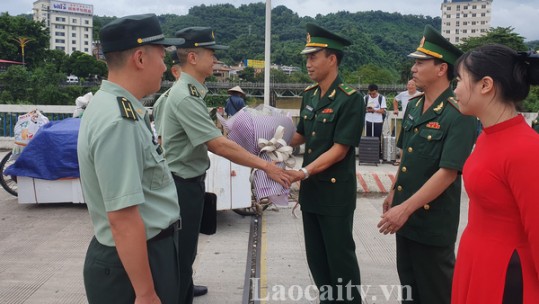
column 160, row 173
column 430, row 143
column 325, row 124
column 308, row 119
column 407, row 125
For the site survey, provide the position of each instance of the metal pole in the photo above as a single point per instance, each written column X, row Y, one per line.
column 267, row 56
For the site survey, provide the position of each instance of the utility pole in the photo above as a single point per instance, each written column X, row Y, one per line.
column 267, row 56
column 22, row 41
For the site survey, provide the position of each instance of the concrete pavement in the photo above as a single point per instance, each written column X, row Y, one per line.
column 42, row 250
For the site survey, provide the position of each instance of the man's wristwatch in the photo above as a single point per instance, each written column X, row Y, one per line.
column 304, row 170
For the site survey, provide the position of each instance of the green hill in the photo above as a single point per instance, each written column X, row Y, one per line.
column 379, row 38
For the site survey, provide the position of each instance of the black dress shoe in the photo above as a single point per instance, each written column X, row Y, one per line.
column 199, row 290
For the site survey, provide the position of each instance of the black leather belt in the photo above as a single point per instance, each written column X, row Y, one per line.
column 167, row 232
column 196, row 179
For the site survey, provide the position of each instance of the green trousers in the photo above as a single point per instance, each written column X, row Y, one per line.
column 331, row 255
column 426, row 271
column 191, row 199
column 106, row 281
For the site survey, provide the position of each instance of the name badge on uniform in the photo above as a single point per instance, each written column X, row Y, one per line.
column 410, row 117
column 309, row 108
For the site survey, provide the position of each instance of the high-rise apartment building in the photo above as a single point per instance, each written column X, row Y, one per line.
column 465, row 18
column 70, row 24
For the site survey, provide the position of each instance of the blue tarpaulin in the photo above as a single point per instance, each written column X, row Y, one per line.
column 51, row 154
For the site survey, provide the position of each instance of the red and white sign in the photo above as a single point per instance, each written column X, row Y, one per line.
column 68, row 7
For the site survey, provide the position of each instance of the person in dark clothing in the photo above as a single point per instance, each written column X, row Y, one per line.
column 236, row 101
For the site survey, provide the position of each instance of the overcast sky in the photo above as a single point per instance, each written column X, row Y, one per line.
column 520, row 14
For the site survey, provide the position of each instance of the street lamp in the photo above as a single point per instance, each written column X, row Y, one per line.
column 22, row 41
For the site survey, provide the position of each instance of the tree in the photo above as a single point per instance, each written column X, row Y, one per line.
column 248, row 74
column 84, row 65
column 501, row 35
column 56, row 59
column 12, row 29
column 16, row 84
column 371, row 73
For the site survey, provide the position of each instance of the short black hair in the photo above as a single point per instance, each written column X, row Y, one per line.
column 450, row 68
column 372, row 87
column 337, row 53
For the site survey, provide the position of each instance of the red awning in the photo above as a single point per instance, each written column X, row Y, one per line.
column 9, row 61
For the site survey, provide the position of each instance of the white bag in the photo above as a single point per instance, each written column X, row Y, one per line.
column 27, row 126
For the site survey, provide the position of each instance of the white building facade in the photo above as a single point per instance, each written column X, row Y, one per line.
column 70, row 24
column 465, row 18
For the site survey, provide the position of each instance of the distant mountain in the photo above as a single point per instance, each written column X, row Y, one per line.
column 380, row 38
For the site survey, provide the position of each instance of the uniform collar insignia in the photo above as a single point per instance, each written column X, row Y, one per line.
column 126, row 108
column 439, row 108
column 315, row 91
column 332, row 95
column 193, row 90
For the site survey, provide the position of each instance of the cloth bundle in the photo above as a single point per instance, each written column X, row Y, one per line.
column 264, row 131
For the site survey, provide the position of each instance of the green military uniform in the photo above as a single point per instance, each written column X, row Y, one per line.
column 187, row 127
column 441, row 137
column 535, row 123
column 121, row 166
column 158, row 107
column 157, row 111
column 328, row 199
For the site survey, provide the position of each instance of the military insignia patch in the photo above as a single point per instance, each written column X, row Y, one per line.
column 439, row 108
column 126, row 108
column 332, row 95
column 433, row 125
column 422, row 43
column 193, row 90
column 327, row 111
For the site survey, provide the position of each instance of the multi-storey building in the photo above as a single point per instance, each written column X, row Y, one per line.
column 70, row 24
column 465, row 18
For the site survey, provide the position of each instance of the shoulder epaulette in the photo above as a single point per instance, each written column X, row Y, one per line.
column 193, row 90
column 167, row 92
column 311, row 87
column 346, row 89
column 126, row 108
column 418, row 97
column 453, row 102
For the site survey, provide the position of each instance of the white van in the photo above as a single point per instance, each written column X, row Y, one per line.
column 72, row 79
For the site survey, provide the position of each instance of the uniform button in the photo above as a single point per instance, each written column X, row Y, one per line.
column 403, row 169
column 324, row 121
column 305, row 117
column 399, row 188
column 309, row 151
column 410, row 149
column 429, row 137
column 535, row 122
column 416, row 130
column 333, row 180
column 426, row 207
column 314, row 133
